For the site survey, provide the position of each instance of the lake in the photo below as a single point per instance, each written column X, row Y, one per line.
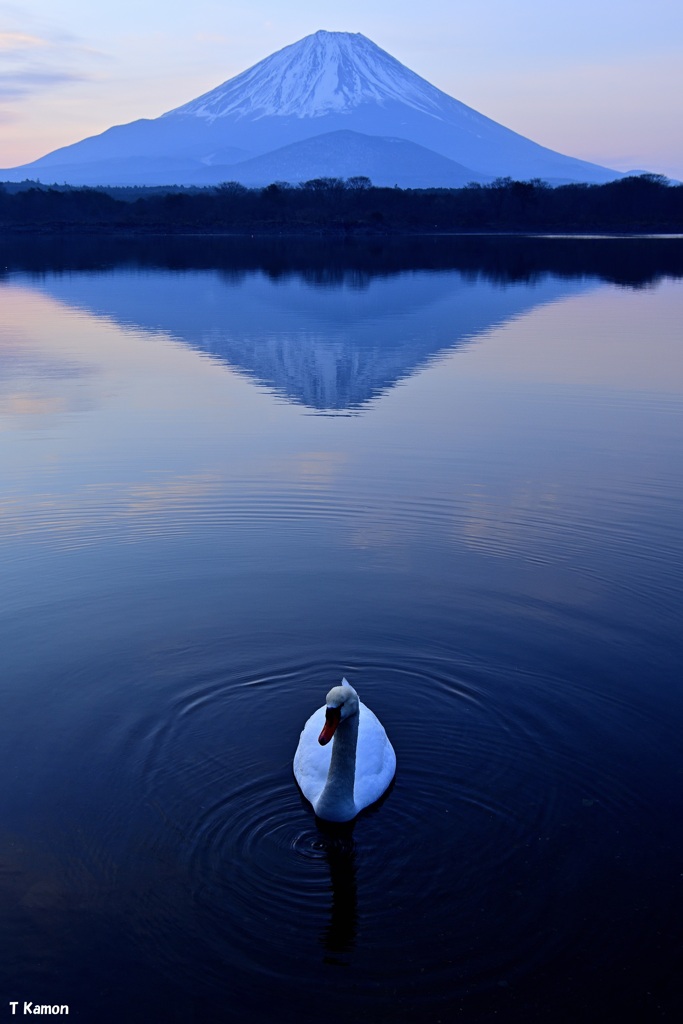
column 235, row 471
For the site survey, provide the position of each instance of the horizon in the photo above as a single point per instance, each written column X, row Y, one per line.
column 600, row 86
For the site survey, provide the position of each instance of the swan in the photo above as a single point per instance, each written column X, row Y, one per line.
column 354, row 772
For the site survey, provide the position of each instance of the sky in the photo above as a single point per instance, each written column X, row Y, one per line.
column 597, row 79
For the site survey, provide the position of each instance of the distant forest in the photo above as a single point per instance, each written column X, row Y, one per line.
column 640, row 204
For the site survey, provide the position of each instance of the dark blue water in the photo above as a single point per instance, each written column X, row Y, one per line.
column 224, row 490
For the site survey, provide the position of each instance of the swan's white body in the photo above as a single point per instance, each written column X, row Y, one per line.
column 343, row 777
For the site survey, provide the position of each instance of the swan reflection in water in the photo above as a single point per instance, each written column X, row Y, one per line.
column 339, row 936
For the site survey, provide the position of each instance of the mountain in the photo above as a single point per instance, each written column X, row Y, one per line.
column 248, row 128
column 332, row 349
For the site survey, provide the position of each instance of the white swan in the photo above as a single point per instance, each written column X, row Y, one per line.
column 354, row 772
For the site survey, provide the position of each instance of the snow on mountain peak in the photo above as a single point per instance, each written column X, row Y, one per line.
column 324, row 73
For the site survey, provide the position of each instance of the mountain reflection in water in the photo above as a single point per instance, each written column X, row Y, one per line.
column 332, row 349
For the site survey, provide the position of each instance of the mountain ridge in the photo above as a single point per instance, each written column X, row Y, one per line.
column 344, row 154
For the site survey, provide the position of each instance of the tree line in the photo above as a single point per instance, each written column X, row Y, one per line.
column 640, row 204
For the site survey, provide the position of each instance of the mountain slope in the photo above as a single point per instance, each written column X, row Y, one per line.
column 325, row 83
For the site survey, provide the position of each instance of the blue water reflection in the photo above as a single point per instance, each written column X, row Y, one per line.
column 222, row 492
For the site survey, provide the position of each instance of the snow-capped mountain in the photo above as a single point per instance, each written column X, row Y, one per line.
column 329, row 72
column 328, row 83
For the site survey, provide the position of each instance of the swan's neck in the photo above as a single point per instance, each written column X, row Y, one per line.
column 336, row 800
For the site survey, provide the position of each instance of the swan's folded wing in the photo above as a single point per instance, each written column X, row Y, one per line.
column 375, row 760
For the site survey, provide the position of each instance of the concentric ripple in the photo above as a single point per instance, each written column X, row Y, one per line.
column 490, row 796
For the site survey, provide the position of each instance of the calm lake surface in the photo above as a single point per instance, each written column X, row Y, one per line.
column 231, row 475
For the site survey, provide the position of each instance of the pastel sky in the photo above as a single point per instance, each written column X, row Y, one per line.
column 596, row 79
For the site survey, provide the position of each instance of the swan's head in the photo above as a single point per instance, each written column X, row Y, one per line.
column 342, row 702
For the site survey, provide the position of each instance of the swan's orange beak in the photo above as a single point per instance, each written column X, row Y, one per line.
column 332, row 720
